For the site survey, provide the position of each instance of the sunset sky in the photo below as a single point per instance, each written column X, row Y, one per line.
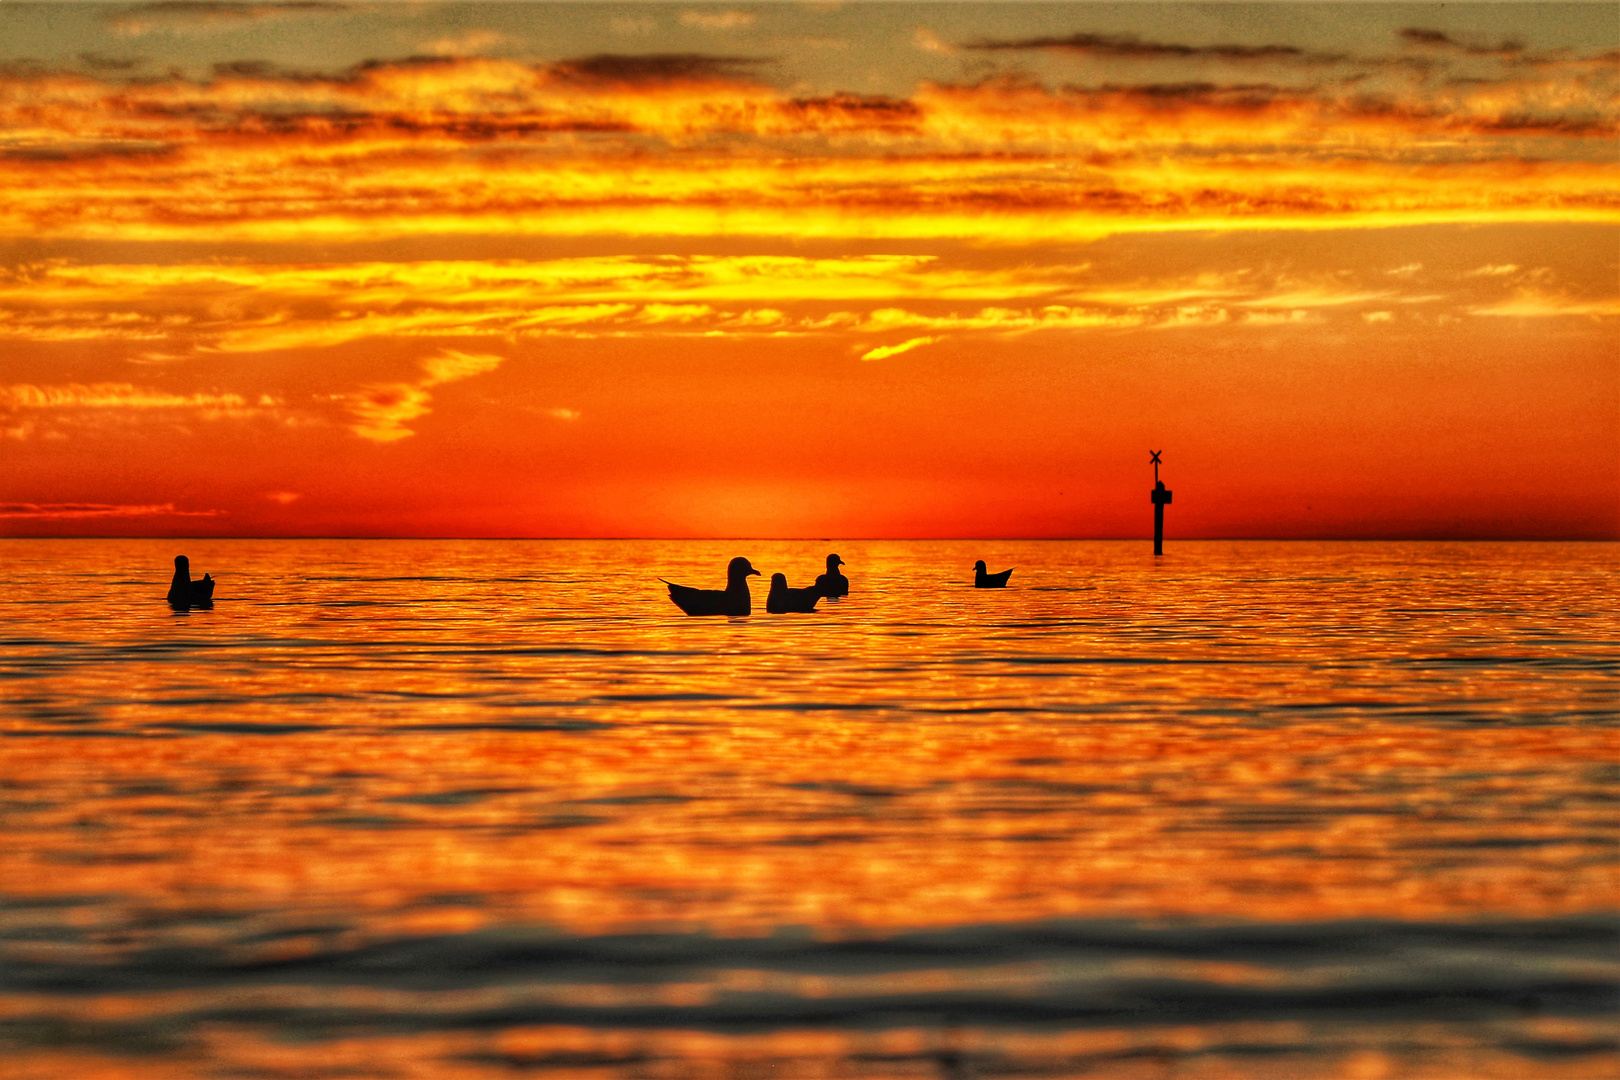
column 820, row 269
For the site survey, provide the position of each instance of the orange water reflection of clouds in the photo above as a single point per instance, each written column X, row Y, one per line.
column 959, row 847
column 491, row 270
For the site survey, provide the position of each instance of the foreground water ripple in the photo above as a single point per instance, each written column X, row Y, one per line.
column 477, row 809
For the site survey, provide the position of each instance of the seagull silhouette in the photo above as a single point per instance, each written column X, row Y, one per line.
column 183, row 592
column 732, row 600
column 781, row 600
column 832, row 583
column 982, row 580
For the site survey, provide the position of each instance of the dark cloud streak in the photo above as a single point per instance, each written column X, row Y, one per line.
column 89, row 151
column 1130, row 47
column 652, row 69
column 1437, row 39
column 97, row 62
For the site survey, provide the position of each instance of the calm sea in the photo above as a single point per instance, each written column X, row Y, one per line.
column 468, row 810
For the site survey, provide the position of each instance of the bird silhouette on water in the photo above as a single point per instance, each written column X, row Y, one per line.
column 732, row 600
column 183, row 592
column 983, row 580
column 781, row 600
column 832, row 583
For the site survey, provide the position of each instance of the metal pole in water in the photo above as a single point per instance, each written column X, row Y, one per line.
column 1161, row 498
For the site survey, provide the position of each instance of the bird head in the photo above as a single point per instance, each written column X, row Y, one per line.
column 739, row 569
column 778, row 581
column 181, row 562
column 979, row 565
column 833, row 563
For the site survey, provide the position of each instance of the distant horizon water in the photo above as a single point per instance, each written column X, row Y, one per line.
column 478, row 808
column 1146, row 538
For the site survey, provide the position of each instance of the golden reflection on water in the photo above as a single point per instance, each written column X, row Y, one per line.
column 365, row 744
column 727, row 835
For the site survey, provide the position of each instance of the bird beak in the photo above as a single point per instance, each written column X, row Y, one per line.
column 752, row 571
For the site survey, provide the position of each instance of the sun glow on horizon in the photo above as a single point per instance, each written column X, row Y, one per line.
column 476, row 292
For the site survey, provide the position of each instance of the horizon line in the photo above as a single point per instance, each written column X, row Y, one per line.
column 858, row 539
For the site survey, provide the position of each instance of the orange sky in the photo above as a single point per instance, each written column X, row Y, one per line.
column 809, row 270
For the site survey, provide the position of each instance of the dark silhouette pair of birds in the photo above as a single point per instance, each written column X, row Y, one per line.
column 734, row 599
column 183, row 592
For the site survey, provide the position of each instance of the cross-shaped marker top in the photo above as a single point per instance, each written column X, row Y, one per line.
column 1161, row 498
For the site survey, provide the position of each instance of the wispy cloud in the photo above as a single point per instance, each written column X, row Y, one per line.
column 1003, row 320
column 193, row 15
column 1316, row 297
column 1131, row 47
column 652, row 69
column 28, row 410
column 381, row 410
column 928, row 41
column 28, row 396
column 98, row 510
column 1439, row 40
column 1280, row 318
column 694, row 144
column 883, row 352
column 467, row 43
column 100, row 63
column 199, row 309
column 453, row 366
column 1535, row 304
column 717, row 20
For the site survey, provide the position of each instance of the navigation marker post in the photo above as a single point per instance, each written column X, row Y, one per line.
column 1161, row 498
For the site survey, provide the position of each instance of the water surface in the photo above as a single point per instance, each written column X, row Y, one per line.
column 484, row 809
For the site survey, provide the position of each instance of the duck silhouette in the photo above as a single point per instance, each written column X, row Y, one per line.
column 781, row 599
column 183, row 592
column 732, row 600
column 983, row 580
column 832, row 583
